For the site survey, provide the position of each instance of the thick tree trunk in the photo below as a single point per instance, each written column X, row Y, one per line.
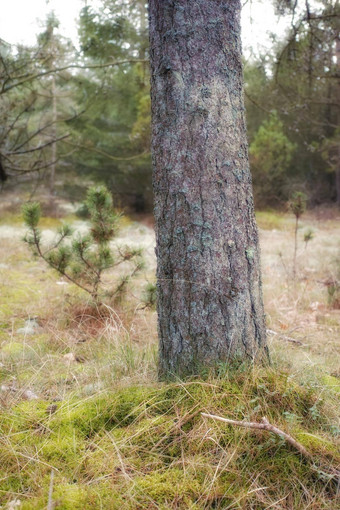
column 209, row 287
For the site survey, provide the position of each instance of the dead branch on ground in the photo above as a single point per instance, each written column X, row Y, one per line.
column 334, row 473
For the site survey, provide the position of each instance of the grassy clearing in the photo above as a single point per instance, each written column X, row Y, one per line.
column 270, row 220
column 115, row 438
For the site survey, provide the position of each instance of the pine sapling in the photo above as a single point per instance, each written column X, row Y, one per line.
column 83, row 259
column 297, row 205
column 150, row 295
column 308, row 236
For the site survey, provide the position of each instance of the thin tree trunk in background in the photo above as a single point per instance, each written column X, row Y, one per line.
column 54, row 114
column 295, row 246
column 54, row 136
column 143, row 18
column 143, row 12
column 210, row 305
column 337, row 170
column 337, row 179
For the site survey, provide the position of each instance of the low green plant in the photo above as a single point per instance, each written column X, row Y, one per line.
column 84, row 258
column 333, row 291
column 334, row 287
column 297, row 205
column 308, row 236
column 150, row 295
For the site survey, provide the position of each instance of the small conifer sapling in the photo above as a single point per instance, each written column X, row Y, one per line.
column 83, row 259
column 297, row 204
column 308, row 236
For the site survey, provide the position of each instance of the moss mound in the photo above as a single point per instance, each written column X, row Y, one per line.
column 149, row 447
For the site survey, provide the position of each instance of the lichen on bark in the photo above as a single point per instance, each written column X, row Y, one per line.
column 210, row 305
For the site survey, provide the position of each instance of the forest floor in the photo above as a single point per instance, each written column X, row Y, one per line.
column 85, row 424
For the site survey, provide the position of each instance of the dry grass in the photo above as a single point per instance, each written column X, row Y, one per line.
column 300, row 307
column 80, row 396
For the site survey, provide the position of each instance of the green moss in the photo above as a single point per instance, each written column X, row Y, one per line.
column 8, row 218
column 332, row 382
column 250, row 254
column 270, row 220
column 60, row 449
column 23, row 418
column 148, row 446
column 13, row 349
column 315, row 443
column 165, row 488
column 65, row 497
column 68, row 496
column 131, row 403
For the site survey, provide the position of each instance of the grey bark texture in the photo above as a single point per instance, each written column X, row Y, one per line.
column 210, row 307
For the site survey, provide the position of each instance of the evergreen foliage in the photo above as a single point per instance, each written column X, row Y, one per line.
column 36, row 103
column 299, row 79
column 308, row 236
column 83, row 259
column 298, row 203
column 271, row 153
column 112, row 138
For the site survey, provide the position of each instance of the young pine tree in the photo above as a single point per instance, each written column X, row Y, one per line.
column 83, row 259
column 297, row 205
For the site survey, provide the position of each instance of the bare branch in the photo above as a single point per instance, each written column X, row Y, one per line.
column 43, row 128
column 264, row 425
column 106, row 154
column 39, row 147
column 252, row 100
column 33, row 77
column 284, row 337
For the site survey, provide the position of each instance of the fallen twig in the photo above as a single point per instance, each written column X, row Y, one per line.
column 264, row 425
column 284, row 337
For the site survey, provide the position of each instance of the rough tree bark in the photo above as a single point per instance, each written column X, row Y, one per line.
column 208, row 276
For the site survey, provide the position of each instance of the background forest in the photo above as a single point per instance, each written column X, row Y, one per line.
column 85, row 112
column 85, row 422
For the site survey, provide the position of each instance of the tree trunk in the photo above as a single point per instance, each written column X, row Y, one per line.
column 337, row 179
column 210, row 306
column 52, row 36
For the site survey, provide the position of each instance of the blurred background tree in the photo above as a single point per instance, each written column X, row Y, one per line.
column 271, row 153
column 113, row 135
column 300, row 80
column 35, row 104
